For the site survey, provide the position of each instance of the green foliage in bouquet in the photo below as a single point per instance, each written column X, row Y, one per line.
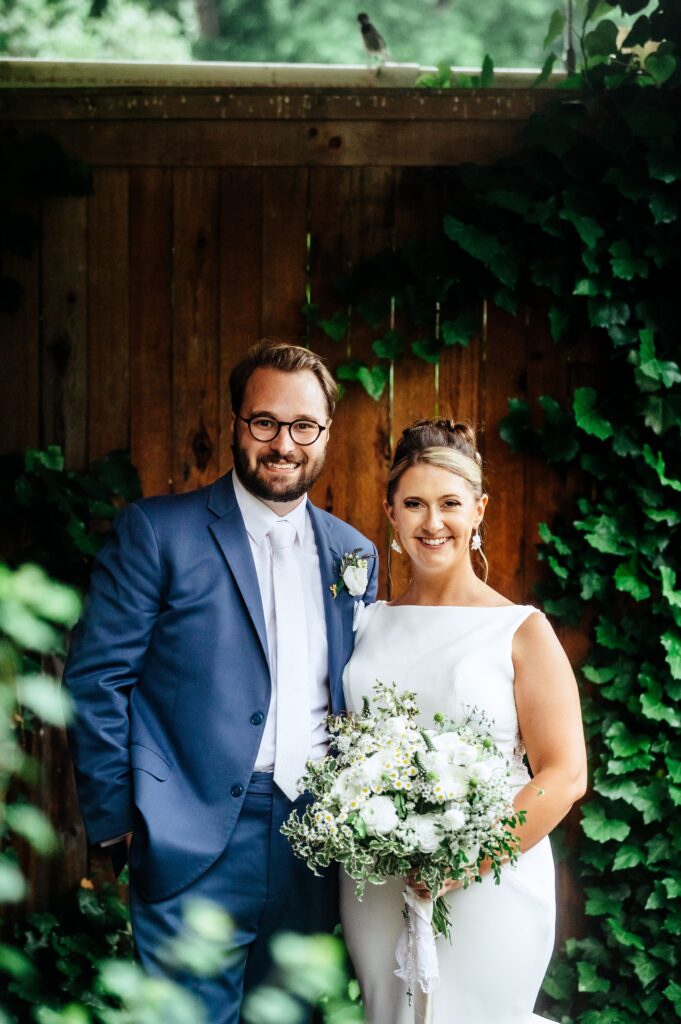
column 586, row 219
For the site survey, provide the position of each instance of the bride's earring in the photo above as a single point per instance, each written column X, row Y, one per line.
column 476, row 540
column 396, row 546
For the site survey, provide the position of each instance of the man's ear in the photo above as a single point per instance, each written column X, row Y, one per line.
column 233, row 419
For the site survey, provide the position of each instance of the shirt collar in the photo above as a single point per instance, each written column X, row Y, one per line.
column 259, row 517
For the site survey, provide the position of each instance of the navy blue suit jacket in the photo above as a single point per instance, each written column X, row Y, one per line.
column 169, row 674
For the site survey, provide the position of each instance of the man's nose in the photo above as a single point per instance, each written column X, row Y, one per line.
column 282, row 443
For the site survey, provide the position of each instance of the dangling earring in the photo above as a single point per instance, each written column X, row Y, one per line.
column 476, row 540
column 396, row 546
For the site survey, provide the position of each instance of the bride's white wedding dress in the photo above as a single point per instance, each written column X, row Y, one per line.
column 454, row 659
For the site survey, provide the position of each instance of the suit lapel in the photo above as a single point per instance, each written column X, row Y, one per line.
column 230, row 533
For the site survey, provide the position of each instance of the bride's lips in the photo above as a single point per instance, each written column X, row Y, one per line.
column 433, row 543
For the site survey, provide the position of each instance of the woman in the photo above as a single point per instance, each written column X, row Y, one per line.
column 461, row 645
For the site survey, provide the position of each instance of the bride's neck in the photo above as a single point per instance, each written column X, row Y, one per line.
column 460, row 588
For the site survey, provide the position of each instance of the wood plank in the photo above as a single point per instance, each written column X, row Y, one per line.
column 195, row 328
column 284, row 252
column 241, row 266
column 331, row 217
column 157, row 102
column 285, row 144
column 108, row 314
column 504, row 354
column 151, row 240
column 19, row 344
column 64, row 314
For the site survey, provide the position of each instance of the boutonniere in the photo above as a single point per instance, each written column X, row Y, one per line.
column 353, row 573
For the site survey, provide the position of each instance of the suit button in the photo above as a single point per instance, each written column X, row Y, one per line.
column 257, row 718
column 237, row 790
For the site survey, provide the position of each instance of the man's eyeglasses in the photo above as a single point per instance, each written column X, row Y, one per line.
column 264, row 428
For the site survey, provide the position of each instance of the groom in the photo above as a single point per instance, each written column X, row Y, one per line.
column 210, row 653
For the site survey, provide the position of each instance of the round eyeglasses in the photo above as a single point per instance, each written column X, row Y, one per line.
column 265, row 428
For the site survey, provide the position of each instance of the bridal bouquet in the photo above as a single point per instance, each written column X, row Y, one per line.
column 394, row 799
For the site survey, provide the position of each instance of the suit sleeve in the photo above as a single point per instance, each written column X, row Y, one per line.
column 105, row 661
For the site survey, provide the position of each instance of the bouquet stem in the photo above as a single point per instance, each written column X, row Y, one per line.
column 442, row 924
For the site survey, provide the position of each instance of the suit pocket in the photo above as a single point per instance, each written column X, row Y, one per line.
column 147, row 760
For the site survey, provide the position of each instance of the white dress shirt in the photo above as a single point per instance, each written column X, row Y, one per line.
column 258, row 519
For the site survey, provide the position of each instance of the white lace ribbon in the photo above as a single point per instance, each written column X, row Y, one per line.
column 416, row 952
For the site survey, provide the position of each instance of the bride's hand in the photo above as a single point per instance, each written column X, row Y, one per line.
column 421, row 890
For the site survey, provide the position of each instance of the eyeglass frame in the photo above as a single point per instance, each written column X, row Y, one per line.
column 280, row 424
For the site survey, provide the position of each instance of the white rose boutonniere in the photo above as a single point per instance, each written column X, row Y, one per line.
column 353, row 574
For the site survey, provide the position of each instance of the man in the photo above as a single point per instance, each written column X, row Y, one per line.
column 211, row 650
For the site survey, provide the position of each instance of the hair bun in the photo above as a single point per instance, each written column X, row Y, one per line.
column 439, row 434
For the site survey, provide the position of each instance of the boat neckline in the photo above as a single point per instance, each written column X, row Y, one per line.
column 472, row 607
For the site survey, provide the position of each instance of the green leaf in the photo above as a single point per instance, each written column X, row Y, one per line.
column 30, row 823
column 663, row 208
column 516, row 428
column 664, row 371
column 589, row 979
column 337, row 327
column 628, row 580
column 13, row 886
column 558, row 440
column 628, row 857
column 623, row 262
column 647, row 969
column 673, row 994
column 390, row 346
column 586, row 416
column 559, row 319
column 664, row 162
column 483, row 246
column 45, row 698
column 428, row 349
column 672, row 645
column 551, row 538
column 657, row 463
column 662, row 412
column 461, row 329
column 588, row 228
column 660, row 67
column 487, row 72
column 556, row 27
column 51, row 458
column 608, row 313
column 602, row 40
column 597, row 826
column 374, row 380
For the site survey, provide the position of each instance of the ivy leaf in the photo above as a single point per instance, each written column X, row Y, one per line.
column 627, row 580
column 516, row 428
column 586, row 416
column 34, row 826
column 663, row 371
column 428, row 349
column 559, row 319
column 647, row 970
column 672, row 645
column 483, row 246
column 337, row 327
column 662, row 412
column 487, row 72
column 669, row 591
column 390, row 346
column 663, row 208
column 608, row 313
column 657, row 463
column 602, row 41
column 588, row 228
column 461, row 329
column 374, row 380
column 589, row 979
column 557, row 439
column 623, row 262
column 673, row 994
column 597, row 826
column 551, row 538
column 660, row 67
column 556, row 27
column 628, row 857
column 664, row 162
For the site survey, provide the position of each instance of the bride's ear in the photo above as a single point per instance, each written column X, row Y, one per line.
column 480, row 509
column 389, row 511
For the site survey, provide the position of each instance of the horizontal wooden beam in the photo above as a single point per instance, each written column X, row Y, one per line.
column 281, row 144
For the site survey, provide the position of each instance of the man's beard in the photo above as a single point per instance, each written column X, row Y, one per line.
column 277, row 490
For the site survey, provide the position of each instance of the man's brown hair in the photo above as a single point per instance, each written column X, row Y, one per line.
column 280, row 355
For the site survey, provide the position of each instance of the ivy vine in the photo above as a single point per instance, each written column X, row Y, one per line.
column 586, row 219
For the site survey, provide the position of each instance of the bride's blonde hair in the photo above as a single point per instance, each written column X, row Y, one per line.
column 443, row 443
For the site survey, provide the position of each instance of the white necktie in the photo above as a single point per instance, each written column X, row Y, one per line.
column 293, row 694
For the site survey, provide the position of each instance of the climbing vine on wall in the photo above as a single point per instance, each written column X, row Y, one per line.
column 586, row 219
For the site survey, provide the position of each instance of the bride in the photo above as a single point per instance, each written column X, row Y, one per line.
column 461, row 646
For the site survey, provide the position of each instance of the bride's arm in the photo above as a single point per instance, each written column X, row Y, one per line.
column 550, row 721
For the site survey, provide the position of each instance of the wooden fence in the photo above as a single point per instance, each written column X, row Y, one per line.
column 216, row 213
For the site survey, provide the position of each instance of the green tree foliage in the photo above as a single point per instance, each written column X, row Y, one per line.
column 307, row 31
column 586, row 218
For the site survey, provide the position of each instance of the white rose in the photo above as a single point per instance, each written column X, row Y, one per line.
column 379, row 815
column 483, row 771
column 457, row 749
column 425, row 830
column 455, row 782
column 355, row 579
column 453, row 820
